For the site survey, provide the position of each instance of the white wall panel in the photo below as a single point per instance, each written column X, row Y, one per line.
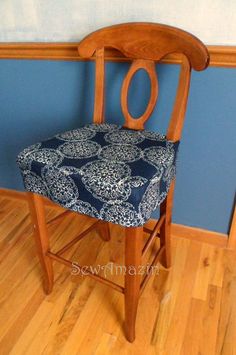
column 214, row 21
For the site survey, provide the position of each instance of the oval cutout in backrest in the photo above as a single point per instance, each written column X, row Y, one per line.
column 149, row 67
column 139, row 93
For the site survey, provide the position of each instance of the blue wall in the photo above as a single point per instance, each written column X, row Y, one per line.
column 41, row 98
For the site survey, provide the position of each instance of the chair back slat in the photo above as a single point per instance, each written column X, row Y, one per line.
column 176, row 123
column 99, row 98
column 145, row 44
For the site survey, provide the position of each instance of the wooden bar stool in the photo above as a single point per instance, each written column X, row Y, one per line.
column 111, row 173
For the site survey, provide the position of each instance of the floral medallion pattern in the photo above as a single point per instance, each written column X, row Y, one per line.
column 120, row 212
column 102, row 127
column 69, row 170
column 153, row 135
column 85, row 208
column 124, row 137
column 108, row 180
column 120, row 153
column 80, row 134
column 62, row 189
column 151, row 198
column 34, row 183
column 79, row 150
column 43, row 156
column 102, row 170
column 159, row 156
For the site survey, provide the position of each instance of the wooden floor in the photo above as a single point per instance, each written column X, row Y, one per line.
column 190, row 309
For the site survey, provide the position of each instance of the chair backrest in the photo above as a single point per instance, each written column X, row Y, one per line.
column 145, row 44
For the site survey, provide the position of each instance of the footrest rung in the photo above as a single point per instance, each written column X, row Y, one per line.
column 58, row 217
column 148, row 275
column 89, row 273
column 153, row 234
column 78, row 238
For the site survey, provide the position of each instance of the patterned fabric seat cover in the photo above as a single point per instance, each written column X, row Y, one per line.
column 104, row 171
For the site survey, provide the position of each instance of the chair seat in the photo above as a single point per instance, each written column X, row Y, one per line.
column 105, row 171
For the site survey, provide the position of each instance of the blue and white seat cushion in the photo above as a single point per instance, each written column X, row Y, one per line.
column 105, row 171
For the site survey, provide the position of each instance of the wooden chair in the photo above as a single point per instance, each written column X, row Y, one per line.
column 144, row 44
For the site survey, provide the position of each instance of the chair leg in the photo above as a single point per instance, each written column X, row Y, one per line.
column 37, row 212
column 165, row 232
column 104, row 231
column 133, row 258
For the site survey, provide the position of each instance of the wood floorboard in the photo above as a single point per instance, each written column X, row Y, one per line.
column 187, row 310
